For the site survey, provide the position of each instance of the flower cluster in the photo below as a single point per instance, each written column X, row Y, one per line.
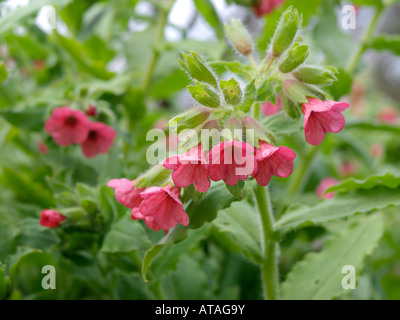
column 69, row 126
column 244, row 148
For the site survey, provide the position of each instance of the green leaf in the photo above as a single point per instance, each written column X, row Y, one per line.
column 388, row 180
column 217, row 198
column 3, row 72
column 3, row 282
column 207, row 10
column 242, row 224
column 282, row 126
column 319, row 275
column 250, row 95
column 387, row 42
column 341, row 206
column 175, row 235
column 170, row 255
column 125, row 235
column 238, row 190
column 245, row 71
column 372, row 126
column 28, row 119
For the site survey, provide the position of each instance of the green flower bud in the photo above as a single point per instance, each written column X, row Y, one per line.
column 239, row 37
column 291, row 108
column 232, row 92
column 295, row 91
column 204, row 94
column 316, row 74
column 198, row 69
column 286, row 31
column 294, row 57
column 189, row 119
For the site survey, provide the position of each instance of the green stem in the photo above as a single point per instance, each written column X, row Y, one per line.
column 155, row 55
column 298, row 179
column 364, row 41
column 269, row 268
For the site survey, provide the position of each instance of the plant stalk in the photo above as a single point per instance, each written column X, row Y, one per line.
column 269, row 267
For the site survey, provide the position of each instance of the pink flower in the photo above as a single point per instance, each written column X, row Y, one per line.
column 91, row 111
column 388, row 115
column 269, row 108
column 161, row 208
column 266, row 6
column 277, row 161
column 43, row 149
column 231, row 161
column 321, row 117
column 67, row 126
column 51, row 218
column 126, row 193
column 99, row 140
column 347, row 168
column 324, row 185
column 189, row 168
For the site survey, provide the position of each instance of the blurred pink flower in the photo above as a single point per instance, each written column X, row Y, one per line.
column 189, row 168
column 67, row 126
column 376, row 150
column 324, row 185
column 161, row 208
column 268, row 108
column 277, row 161
column 321, row 117
column 51, row 218
column 388, row 115
column 99, row 140
column 266, row 6
column 43, row 149
column 126, row 193
column 231, row 161
column 347, row 168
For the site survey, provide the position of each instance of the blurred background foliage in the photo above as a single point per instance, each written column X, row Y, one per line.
column 122, row 57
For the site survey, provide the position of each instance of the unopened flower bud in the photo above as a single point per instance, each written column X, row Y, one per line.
column 197, row 68
column 155, row 176
column 231, row 90
column 294, row 57
column 291, row 108
column 286, row 31
column 315, row 74
column 204, row 94
column 239, row 37
column 295, row 91
column 189, row 119
column 254, row 132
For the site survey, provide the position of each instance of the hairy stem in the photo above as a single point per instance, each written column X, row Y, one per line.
column 269, row 268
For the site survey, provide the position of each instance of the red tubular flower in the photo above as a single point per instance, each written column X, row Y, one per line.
column 99, row 140
column 277, row 161
column 231, row 161
column 161, row 208
column 321, row 117
column 388, row 115
column 51, row 218
column 189, row 168
column 324, row 185
column 126, row 193
column 91, row 111
column 266, row 6
column 67, row 126
column 268, row 108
